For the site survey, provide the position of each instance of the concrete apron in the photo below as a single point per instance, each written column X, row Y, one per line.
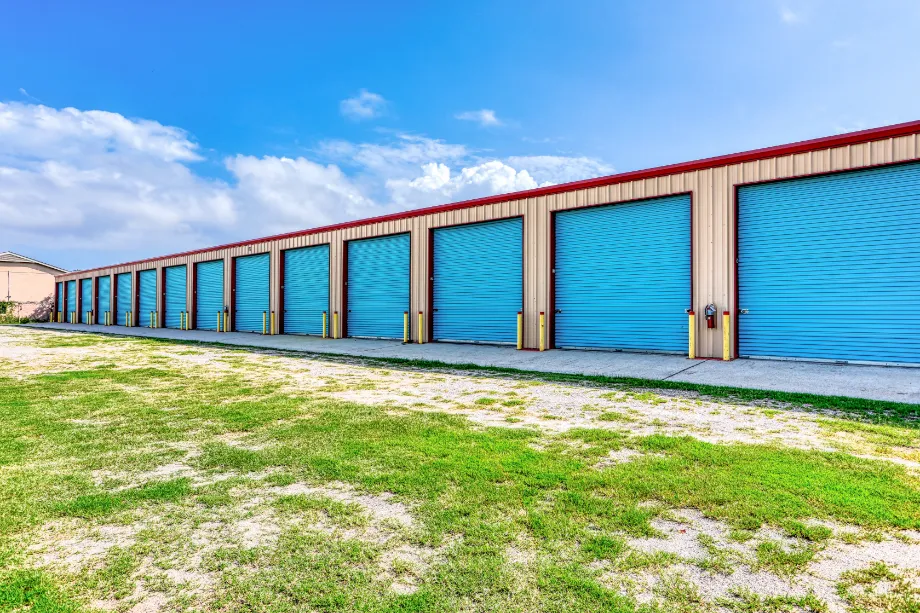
column 899, row 384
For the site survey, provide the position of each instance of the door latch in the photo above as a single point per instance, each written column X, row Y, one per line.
column 743, row 311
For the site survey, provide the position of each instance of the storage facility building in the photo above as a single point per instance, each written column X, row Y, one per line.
column 802, row 251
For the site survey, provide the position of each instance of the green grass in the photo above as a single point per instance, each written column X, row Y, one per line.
column 33, row 591
column 105, row 503
column 473, row 491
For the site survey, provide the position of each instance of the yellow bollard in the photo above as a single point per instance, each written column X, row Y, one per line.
column 405, row 327
column 325, row 316
column 691, row 353
column 542, row 331
column 271, row 330
column 218, row 321
column 520, row 330
column 726, row 337
column 226, row 321
column 264, row 317
column 335, row 325
column 421, row 328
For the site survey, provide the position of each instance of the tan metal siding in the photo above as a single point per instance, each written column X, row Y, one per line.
column 713, row 236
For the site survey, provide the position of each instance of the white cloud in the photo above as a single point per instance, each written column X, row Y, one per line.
column 484, row 117
column 41, row 131
column 787, row 15
column 366, row 105
column 438, row 184
column 552, row 169
column 280, row 194
column 84, row 181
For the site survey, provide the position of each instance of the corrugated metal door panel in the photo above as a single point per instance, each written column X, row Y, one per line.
column 104, row 299
column 123, row 298
column 176, row 290
column 71, row 299
column 209, row 297
column 829, row 267
column 478, row 281
column 378, row 286
column 86, row 300
column 60, row 301
column 623, row 276
column 306, row 289
column 147, row 304
column 252, row 292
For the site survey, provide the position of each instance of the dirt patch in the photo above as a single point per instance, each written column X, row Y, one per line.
column 379, row 507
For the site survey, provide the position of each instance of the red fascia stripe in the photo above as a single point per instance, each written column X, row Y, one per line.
column 815, row 144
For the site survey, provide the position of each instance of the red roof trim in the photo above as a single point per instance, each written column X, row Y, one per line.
column 816, row 144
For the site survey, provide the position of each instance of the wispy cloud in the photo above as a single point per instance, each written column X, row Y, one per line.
column 366, row 105
column 787, row 15
column 22, row 90
column 484, row 117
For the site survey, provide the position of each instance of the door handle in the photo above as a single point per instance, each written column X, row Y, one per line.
column 558, row 311
column 743, row 311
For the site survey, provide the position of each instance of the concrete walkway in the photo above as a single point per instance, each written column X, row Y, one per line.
column 873, row 382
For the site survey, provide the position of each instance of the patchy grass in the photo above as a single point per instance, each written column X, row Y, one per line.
column 873, row 411
column 879, row 588
column 445, row 498
column 614, row 416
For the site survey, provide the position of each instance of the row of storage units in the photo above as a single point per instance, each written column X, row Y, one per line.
column 828, row 267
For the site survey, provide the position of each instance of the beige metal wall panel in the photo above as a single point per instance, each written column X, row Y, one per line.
column 713, row 232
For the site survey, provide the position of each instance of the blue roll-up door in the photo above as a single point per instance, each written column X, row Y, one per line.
column 104, row 299
column 306, row 289
column 378, row 286
column 622, row 276
column 71, row 299
column 209, row 294
column 86, row 300
column 829, row 267
column 147, row 303
column 175, row 296
column 478, row 281
column 60, row 302
column 252, row 292
column 123, row 298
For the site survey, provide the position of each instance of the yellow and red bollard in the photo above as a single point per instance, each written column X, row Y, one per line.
column 691, row 350
column 726, row 336
column 542, row 331
column 520, row 330
column 421, row 328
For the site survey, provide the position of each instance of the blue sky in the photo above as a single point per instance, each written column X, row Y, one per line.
column 130, row 130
